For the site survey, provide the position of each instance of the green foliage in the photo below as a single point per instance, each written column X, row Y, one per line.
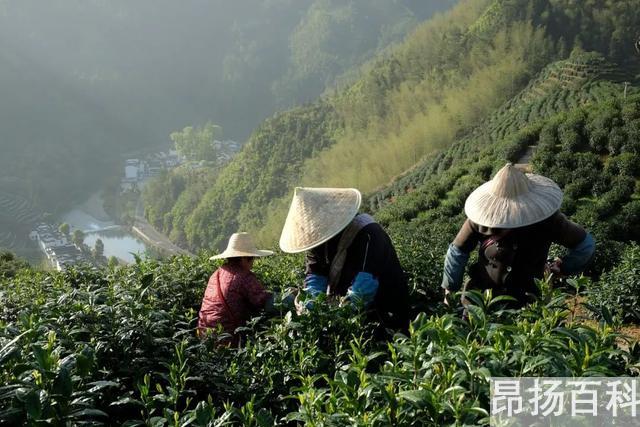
column 439, row 374
column 64, row 228
column 334, row 36
column 78, row 238
column 424, row 206
column 413, row 119
column 169, row 198
column 10, row 265
column 98, row 249
column 600, row 187
column 123, row 343
column 198, row 144
column 261, row 172
column 619, row 289
column 457, row 77
column 113, row 262
column 600, row 182
column 119, row 346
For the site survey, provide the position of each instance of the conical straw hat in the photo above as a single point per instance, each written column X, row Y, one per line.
column 316, row 215
column 513, row 199
column 241, row 245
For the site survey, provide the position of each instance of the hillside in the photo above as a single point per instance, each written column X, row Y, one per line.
column 439, row 85
column 558, row 88
column 582, row 136
column 118, row 345
column 86, row 84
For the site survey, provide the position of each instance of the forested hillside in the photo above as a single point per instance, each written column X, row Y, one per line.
column 86, row 84
column 450, row 74
column 118, row 345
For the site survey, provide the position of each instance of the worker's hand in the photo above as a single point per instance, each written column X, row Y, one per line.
column 342, row 301
column 447, row 295
column 301, row 307
column 555, row 267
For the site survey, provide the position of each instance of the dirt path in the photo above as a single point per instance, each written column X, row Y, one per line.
column 524, row 162
column 580, row 314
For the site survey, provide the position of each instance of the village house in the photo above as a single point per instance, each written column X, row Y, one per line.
column 59, row 251
column 136, row 171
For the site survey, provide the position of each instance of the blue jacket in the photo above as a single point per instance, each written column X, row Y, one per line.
column 371, row 277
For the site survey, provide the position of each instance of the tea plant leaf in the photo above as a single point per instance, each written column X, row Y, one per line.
column 89, row 413
column 573, row 335
column 33, row 405
column 501, row 298
column 62, row 385
column 100, row 385
column 126, row 401
column 421, row 398
column 10, row 348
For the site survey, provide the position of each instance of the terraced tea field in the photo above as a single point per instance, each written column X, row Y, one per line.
column 560, row 87
column 18, row 209
column 8, row 239
column 17, row 217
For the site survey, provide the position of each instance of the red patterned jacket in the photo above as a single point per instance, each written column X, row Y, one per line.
column 231, row 298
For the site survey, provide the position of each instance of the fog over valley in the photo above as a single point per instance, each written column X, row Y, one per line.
column 86, row 85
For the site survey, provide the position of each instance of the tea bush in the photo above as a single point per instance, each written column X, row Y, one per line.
column 118, row 347
column 10, row 264
column 619, row 291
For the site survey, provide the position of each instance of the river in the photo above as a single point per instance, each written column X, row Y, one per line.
column 96, row 224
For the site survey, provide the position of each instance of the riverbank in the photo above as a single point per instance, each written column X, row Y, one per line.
column 91, row 218
column 153, row 237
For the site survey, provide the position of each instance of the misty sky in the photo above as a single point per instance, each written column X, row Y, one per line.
column 85, row 83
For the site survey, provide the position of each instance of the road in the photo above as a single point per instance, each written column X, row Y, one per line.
column 156, row 239
column 152, row 236
column 524, row 162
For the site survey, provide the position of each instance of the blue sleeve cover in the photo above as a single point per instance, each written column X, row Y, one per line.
column 314, row 285
column 579, row 256
column 454, row 264
column 363, row 289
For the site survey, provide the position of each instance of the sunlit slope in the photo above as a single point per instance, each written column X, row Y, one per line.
column 274, row 159
column 583, row 79
column 450, row 75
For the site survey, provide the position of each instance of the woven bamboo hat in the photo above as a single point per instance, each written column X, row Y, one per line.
column 513, row 199
column 241, row 245
column 316, row 215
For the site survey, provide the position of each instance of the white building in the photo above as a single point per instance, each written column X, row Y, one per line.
column 131, row 171
column 59, row 252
